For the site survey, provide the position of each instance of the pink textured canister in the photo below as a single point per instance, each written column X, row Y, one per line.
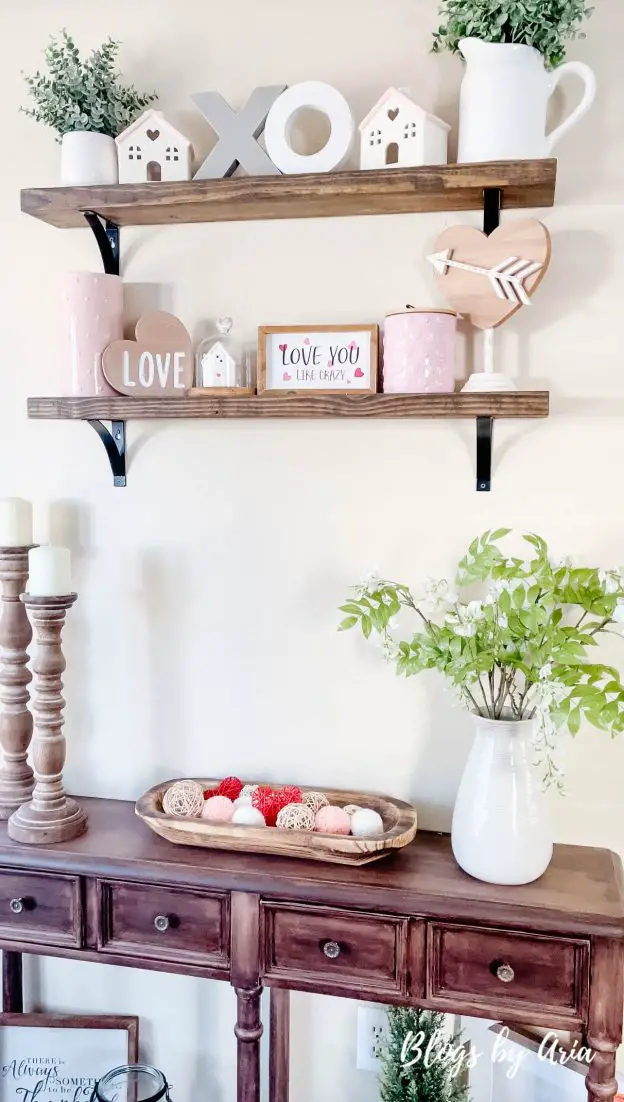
column 93, row 306
column 419, row 352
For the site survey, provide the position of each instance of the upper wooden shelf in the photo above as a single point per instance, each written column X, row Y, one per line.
column 247, row 198
column 528, row 403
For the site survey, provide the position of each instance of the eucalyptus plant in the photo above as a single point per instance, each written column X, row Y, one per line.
column 78, row 94
column 545, row 24
column 520, row 647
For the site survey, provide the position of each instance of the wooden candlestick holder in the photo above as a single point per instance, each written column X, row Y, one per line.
column 16, row 723
column 50, row 816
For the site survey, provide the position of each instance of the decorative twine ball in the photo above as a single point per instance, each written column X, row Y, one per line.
column 295, row 817
column 352, row 808
column 246, row 815
column 248, row 790
column 315, row 800
column 218, row 809
column 230, row 787
column 332, row 820
column 366, row 823
column 242, row 801
column 185, row 798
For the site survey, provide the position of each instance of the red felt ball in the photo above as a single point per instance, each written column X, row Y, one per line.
column 208, row 792
column 265, row 799
column 230, row 787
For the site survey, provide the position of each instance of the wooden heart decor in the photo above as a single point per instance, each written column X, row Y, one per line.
column 158, row 363
column 488, row 279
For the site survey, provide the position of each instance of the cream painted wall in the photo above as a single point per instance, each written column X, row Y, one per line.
column 204, row 637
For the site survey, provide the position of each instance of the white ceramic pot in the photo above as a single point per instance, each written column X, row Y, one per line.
column 501, row 829
column 88, row 158
column 504, row 102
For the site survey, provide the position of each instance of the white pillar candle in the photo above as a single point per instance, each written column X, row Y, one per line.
column 49, row 572
column 16, row 522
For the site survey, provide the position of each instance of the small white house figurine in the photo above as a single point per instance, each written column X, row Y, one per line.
column 220, row 361
column 151, row 149
column 397, row 132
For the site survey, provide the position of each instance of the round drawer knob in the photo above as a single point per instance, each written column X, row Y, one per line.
column 17, row 906
column 162, row 923
column 505, row 973
column 331, row 950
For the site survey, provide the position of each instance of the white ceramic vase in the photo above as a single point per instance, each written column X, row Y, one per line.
column 504, row 102
column 88, row 158
column 501, row 829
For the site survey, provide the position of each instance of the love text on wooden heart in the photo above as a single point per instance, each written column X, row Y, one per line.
column 488, row 279
column 159, row 363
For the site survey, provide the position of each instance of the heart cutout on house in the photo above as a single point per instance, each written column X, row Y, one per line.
column 392, row 113
column 488, row 279
column 159, row 363
column 153, row 134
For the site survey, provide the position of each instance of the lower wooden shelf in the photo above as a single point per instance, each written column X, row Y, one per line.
column 482, row 407
column 528, row 403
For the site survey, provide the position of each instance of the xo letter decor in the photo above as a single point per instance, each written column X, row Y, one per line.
column 158, row 363
column 488, row 279
column 237, row 143
column 315, row 95
column 16, row 724
column 50, row 816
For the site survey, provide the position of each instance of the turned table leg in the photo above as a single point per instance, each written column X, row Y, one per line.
column 245, row 978
column 604, row 1029
column 12, row 989
column 279, row 1045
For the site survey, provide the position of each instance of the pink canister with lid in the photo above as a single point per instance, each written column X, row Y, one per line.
column 419, row 352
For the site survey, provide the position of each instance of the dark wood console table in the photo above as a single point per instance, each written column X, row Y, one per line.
column 410, row 929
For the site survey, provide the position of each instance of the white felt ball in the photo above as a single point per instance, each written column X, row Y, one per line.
column 366, row 823
column 243, row 801
column 248, row 816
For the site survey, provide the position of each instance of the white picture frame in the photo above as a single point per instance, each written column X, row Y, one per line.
column 59, row 1058
column 318, row 359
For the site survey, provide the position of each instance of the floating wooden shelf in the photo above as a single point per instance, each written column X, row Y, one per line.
column 482, row 407
column 247, row 198
column 529, row 403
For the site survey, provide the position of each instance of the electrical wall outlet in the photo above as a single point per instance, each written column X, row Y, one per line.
column 371, row 1029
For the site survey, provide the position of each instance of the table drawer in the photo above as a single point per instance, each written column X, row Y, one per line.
column 40, row 908
column 164, row 923
column 334, row 950
column 504, row 970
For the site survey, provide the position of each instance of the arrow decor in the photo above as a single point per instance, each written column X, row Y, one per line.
column 507, row 278
column 487, row 279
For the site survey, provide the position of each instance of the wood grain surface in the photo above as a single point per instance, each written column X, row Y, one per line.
column 530, row 403
column 324, row 195
column 399, row 819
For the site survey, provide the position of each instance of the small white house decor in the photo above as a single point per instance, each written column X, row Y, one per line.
column 222, row 363
column 152, row 149
column 398, row 132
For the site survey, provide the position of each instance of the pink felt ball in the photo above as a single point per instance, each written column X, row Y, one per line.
column 332, row 820
column 218, row 809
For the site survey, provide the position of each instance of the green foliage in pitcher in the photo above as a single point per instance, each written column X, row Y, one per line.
column 514, row 636
column 77, row 94
column 545, row 24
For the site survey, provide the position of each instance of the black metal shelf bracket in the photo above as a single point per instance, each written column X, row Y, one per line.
column 492, row 205
column 115, row 444
column 107, row 237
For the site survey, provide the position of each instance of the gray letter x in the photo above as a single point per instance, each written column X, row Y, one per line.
column 237, row 133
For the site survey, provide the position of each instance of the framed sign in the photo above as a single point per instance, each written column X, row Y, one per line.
column 59, row 1058
column 323, row 359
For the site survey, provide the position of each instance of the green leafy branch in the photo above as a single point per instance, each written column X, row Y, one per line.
column 545, row 24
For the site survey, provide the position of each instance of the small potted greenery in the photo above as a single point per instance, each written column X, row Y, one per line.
column 513, row 50
column 515, row 648
column 85, row 102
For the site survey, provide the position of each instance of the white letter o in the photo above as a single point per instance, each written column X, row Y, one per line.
column 320, row 97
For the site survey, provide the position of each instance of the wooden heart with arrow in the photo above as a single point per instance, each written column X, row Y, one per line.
column 488, row 279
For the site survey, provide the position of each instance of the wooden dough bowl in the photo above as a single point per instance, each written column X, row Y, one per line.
column 399, row 820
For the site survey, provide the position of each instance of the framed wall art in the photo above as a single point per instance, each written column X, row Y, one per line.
column 59, row 1058
column 322, row 359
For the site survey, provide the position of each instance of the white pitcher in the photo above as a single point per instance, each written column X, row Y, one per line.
column 504, row 102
